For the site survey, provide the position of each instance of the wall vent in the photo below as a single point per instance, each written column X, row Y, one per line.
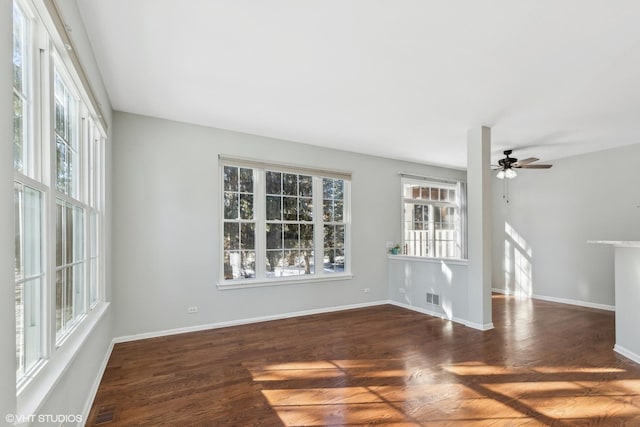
column 433, row 299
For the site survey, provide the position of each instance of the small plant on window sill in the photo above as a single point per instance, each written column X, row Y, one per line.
column 396, row 250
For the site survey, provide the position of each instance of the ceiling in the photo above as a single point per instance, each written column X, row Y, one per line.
column 404, row 79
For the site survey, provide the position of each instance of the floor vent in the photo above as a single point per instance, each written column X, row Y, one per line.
column 433, row 299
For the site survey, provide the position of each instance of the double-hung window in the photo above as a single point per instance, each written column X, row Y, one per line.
column 281, row 223
column 433, row 222
column 58, row 195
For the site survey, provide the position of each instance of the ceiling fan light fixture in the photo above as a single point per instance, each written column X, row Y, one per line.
column 500, row 174
column 510, row 174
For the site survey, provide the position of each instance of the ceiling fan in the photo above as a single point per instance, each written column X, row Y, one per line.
column 507, row 165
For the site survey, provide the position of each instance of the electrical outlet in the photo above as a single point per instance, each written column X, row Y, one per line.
column 192, row 310
column 367, row 290
column 401, row 290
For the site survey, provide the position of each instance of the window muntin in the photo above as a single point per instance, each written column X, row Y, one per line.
column 432, row 219
column 290, row 211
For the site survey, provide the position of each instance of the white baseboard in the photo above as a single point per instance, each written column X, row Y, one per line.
column 428, row 312
column 248, row 321
column 560, row 300
column 627, row 353
column 96, row 385
column 575, row 302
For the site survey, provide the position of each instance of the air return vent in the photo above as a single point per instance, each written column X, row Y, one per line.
column 433, row 299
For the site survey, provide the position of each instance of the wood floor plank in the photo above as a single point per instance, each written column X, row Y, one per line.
column 543, row 364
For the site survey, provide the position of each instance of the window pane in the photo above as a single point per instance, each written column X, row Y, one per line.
column 328, row 236
column 306, row 236
column 248, row 264
column 59, row 233
column 291, row 236
column 306, row 186
column 230, row 205
column 306, row 209
column 338, row 237
column 32, row 232
column 230, row 178
column 290, row 184
column 239, row 264
column 247, row 236
column 231, row 236
column 94, row 277
column 274, row 182
column 20, row 349
column 290, row 208
column 327, row 210
column 67, row 305
column 246, row 206
column 274, row 208
column 78, row 290
column 78, row 234
column 69, row 230
column 61, row 165
column 274, row 236
column 246, row 180
column 59, row 299
column 18, row 133
column 18, row 225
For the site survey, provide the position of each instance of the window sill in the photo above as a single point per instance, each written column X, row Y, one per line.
column 35, row 390
column 454, row 261
column 259, row 283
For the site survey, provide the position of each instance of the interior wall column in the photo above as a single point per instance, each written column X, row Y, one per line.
column 479, row 228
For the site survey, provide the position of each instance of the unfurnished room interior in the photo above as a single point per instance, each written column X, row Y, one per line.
column 319, row 213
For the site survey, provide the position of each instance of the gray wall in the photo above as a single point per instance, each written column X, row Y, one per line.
column 411, row 279
column 166, row 225
column 554, row 212
column 7, row 294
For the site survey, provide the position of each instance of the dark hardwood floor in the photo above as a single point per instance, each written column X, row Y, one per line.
column 543, row 364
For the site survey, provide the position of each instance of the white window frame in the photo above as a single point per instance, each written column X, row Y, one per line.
column 259, row 171
column 459, row 204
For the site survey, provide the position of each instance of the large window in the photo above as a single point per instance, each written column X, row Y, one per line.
column 58, row 187
column 432, row 223
column 279, row 223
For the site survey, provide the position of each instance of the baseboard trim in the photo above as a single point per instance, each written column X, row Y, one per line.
column 96, row 384
column 239, row 322
column 627, row 353
column 502, row 291
column 454, row 319
column 575, row 302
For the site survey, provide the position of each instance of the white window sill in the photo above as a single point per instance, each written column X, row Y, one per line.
column 454, row 261
column 258, row 283
column 35, row 390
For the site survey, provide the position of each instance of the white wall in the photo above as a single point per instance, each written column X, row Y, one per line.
column 7, row 260
column 166, row 232
column 554, row 212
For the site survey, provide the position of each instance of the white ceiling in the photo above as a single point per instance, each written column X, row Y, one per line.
column 398, row 78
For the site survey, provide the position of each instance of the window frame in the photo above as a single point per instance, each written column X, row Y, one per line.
column 260, row 218
column 459, row 204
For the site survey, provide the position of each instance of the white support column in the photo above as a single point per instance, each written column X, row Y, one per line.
column 7, row 260
column 479, row 228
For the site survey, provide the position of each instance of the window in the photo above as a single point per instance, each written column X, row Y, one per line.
column 58, row 196
column 280, row 223
column 432, row 220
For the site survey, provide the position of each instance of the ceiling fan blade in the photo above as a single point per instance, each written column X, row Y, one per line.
column 525, row 161
column 534, row 166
